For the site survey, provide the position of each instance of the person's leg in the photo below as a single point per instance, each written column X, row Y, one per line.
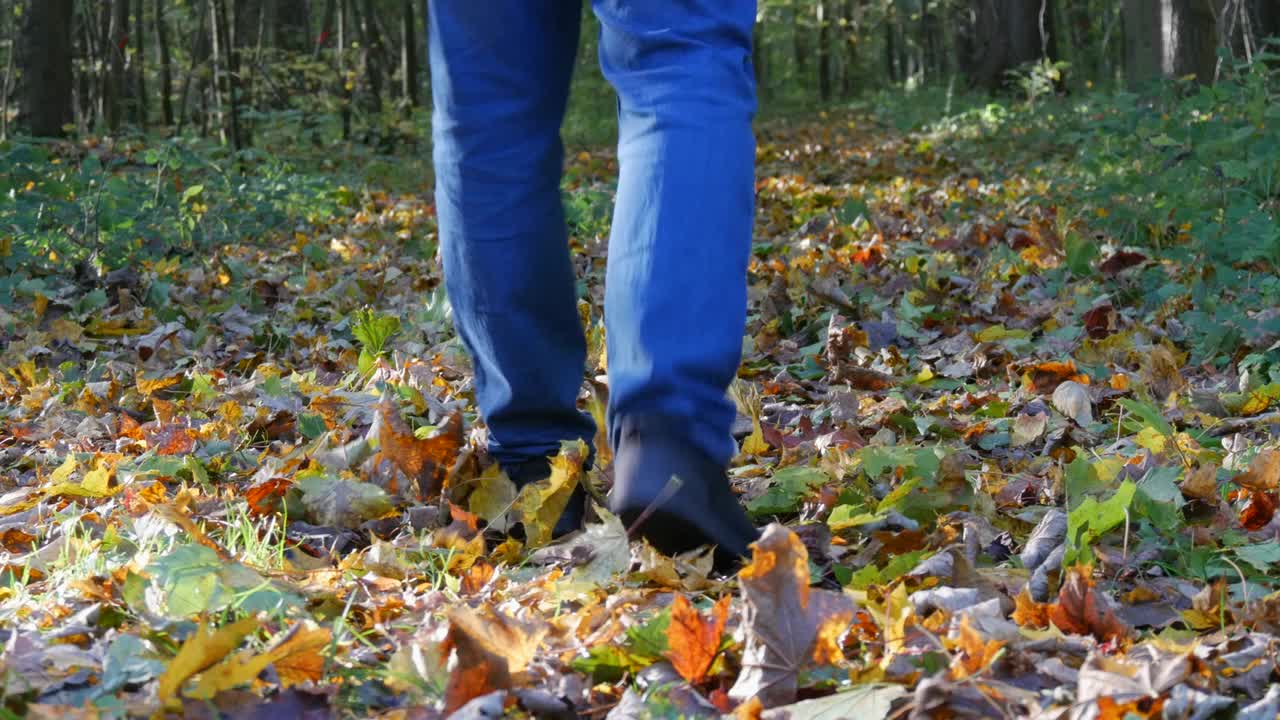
column 500, row 75
column 675, row 298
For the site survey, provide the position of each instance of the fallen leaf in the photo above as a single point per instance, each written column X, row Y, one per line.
column 491, row 647
column 1028, row 613
column 423, row 460
column 202, row 650
column 1263, row 473
column 1258, row 510
column 1079, row 609
column 694, row 640
column 540, row 504
column 295, row 656
column 1072, row 400
column 788, row 626
column 974, row 653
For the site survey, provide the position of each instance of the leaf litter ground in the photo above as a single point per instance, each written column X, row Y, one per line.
column 994, row 486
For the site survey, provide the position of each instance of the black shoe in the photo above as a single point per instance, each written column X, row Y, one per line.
column 537, row 469
column 701, row 511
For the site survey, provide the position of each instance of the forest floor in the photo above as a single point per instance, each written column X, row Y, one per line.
column 1002, row 486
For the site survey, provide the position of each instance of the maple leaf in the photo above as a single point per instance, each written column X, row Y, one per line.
column 491, row 647
column 975, row 652
column 1080, row 611
column 295, row 656
column 788, row 625
column 426, row 461
column 1028, row 613
column 202, row 650
column 694, row 640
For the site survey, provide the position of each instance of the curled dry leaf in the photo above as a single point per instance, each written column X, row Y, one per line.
column 491, row 648
column 788, row 625
column 1072, row 400
column 1080, row 610
column 693, row 639
column 423, row 460
column 1263, row 473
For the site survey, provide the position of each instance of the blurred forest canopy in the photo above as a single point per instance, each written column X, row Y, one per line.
column 319, row 70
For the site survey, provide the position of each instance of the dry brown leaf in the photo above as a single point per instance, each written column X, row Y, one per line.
column 974, row 652
column 423, row 460
column 1201, row 483
column 1080, row 611
column 1162, row 372
column 1263, row 472
column 788, row 625
column 1258, row 510
column 491, row 648
column 694, row 640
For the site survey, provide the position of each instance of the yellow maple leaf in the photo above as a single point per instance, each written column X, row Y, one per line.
column 296, row 656
column 202, row 650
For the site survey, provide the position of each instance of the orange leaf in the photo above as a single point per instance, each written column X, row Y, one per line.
column 264, row 498
column 1028, row 613
column 1259, row 510
column 975, row 654
column 425, row 460
column 695, row 640
column 1147, row 707
column 1079, row 610
column 491, row 647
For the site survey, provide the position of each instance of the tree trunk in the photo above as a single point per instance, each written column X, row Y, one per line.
column 292, row 25
column 166, row 65
column 1170, row 38
column 1005, row 35
column 409, row 70
column 138, row 67
column 116, row 46
column 824, row 51
column 850, row 34
column 800, row 49
column 891, row 50
column 45, row 59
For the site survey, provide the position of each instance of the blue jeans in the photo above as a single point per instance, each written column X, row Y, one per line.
column 675, row 299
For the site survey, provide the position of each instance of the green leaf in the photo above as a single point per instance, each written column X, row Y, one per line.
column 312, row 425
column 1092, row 519
column 1261, row 556
column 787, row 489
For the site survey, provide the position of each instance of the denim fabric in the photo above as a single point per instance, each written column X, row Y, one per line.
column 675, row 302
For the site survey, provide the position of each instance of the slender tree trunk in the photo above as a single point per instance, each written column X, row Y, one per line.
column 800, row 50
column 116, row 46
column 824, row 50
column 344, row 82
column 326, row 26
column 850, row 44
column 409, row 89
column 166, row 65
column 370, row 45
column 139, row 66
column 891, row 50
